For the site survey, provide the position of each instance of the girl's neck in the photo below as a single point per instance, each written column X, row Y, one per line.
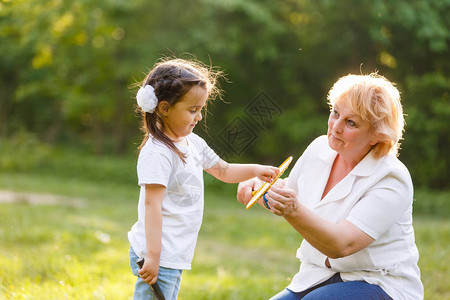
column 175, row 139
column 180, row 141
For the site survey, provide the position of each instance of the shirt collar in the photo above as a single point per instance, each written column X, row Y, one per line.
column 364, row 168
column 367, row 165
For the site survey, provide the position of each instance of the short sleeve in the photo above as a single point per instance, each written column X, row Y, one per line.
column 154, row 168
column 208, row 157
column 382, row 205
column 295, row 174
column 313, row 148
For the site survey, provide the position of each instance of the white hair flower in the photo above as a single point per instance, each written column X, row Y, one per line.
column 146, row 99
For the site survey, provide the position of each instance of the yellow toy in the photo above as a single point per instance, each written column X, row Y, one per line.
column 266, row 186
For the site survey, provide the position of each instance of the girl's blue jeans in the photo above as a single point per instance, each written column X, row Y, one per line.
column 168, row 280
column 336, row 289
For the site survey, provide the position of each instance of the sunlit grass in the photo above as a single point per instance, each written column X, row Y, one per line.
column 70, row 251
column 433, row 241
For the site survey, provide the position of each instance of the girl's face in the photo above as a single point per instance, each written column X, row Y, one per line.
column 181, row 118
column 348, row 134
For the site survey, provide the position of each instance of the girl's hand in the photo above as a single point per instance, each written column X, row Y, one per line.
column 149, row 271
column 266, row 173
column 282, row 200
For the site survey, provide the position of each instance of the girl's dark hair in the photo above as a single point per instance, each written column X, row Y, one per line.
column 172, row 79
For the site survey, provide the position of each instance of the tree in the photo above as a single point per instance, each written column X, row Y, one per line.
column 69, row 69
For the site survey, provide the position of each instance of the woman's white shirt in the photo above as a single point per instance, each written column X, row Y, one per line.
column 376, row 196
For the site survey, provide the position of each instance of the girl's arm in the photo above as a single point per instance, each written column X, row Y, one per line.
column 154, row 194
column 235, row 173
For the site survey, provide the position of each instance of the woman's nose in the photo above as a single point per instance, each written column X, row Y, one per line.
column 338, row 126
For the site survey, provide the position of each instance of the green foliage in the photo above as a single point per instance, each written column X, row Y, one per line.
column 427, row 133
column 431, row 203
column 67, row 68
column 24, row 153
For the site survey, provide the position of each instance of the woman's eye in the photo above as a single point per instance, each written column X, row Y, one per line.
column 335, row 113
column 351, row 123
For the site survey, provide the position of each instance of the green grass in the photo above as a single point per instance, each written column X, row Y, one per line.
column 78, row 249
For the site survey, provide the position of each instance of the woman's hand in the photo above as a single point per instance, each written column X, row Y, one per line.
column 282, row 200
column 149, row 271
column 245, row 188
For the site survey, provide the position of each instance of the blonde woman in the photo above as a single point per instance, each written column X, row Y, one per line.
column 350, row 199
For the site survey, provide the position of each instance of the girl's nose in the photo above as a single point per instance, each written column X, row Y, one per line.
column 199, row 116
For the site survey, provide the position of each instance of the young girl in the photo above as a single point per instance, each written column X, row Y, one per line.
column 170, row 173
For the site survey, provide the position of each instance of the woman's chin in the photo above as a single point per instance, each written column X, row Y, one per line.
column 333, row 142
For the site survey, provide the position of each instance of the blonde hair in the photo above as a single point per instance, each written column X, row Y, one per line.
column 377, row 101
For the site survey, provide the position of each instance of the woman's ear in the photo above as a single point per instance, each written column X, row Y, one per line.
column 163, row 107
column 376, row 138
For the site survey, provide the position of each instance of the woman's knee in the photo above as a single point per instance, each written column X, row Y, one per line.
column 350, row 290
column 286, row 294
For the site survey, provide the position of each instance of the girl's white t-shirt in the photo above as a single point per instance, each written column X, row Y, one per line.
column 182, row 206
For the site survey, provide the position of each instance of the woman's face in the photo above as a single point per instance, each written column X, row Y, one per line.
column 348, row 134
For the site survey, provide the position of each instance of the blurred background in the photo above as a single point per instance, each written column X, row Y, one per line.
column 68, row 71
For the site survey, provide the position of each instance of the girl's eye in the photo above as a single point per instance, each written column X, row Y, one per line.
column 335, row 113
